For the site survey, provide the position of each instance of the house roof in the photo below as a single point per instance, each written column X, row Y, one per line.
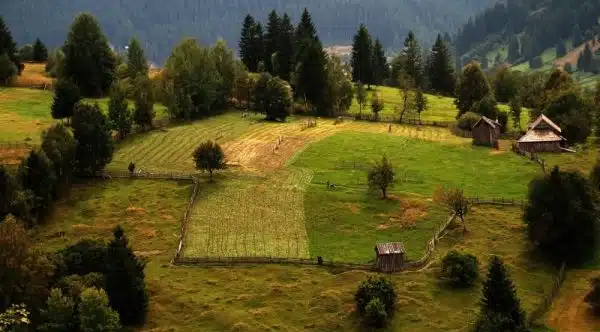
column 534, row 136
column 390, row 248
column 489, row 121
column 543, row 118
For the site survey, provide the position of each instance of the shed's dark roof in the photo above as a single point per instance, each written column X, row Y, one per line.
column 390, row 248
column 489, row 121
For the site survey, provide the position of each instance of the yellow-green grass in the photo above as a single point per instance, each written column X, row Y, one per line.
column 250, row 216
column 287, row 298
column 441, row 109
column 344, row 159
column 25, row 113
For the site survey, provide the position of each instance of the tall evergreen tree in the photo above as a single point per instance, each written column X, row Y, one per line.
column 40, row 52
column 89, row 61
column 137, row 64
column 285, row 49
column 7, row 191
column 9, row 47
column 514, row 49
column 272, row 39
column 119, row 114
column 311, row 76
column 499, row 302
column 585, row 61
column 59, row 145
column 66, row 97
column 143, row 114
column 381, row 69
column 472, row 87
column 440, row 69
column 306, row 33
column 124, row 278
column 362, row 55
column 251, row 45
column 94, row 142
column 36, row 176
column 413, row 61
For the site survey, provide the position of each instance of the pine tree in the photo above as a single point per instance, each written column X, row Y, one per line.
column 306, row 34
column 585, row 61
column 119, row 114
column 499, row 299
column 137, row 64
column 514, row 49
column 89, row 61
column 440, row 69
column 66, row 97
column 36, row 175
column 380, row 65
column 285, row 49
column 125, row 284
column 272, row 38
column 472, row 87
column 94, row 141
column 414, row 64
column 143, row 113
column 40, row 52
column 246, row 43
column 362, row 55
column 8, row 46
column 311, row 76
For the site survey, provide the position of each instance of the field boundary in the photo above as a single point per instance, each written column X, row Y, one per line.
column 184, row 222
column 543, row 307
column 145, row 175
column 431, row 245
column 497, row 201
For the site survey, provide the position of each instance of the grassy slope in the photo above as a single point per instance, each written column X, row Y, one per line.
column 260, row 298
column 25, row 113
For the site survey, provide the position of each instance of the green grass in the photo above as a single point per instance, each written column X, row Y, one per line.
column 344, row 159
column 285, row 298
column 25, row 113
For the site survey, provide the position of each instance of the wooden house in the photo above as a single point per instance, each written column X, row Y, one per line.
column 543, row 135
column 390, row 256
column 486, row 132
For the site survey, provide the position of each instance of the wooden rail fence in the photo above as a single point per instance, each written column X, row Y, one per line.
column 543, row 307
column 184, row 223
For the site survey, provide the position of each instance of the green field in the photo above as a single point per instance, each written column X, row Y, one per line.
column 25, row 113
column 287, row 298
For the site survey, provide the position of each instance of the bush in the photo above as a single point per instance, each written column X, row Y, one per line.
column 382, row 289
column 467, row 121
column 503, row 120
column 536, row 62
column 84, row 257
column 375, row 314
column 461, row 270
column 487, row 107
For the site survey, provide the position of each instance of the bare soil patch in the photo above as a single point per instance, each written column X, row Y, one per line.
column 12, row 156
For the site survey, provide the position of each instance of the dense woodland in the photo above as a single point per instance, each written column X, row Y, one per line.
column 160, row 26
column 528, row 27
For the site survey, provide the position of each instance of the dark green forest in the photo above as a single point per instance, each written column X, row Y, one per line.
column 529, row 27
column 160, row 25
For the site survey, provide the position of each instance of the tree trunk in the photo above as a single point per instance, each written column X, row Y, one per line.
column 404, row 106
column 384, row 192
column 462, row 219
column 210, row 173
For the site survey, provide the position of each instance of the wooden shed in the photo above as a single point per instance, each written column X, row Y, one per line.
column 390, row 256
column 543, row 136
column 486, row 132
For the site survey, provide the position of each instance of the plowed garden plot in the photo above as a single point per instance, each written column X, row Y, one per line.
column 250, row 216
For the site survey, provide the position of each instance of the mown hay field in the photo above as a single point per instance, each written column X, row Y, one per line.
column 259, row 298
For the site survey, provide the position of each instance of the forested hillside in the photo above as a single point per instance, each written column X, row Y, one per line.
column 160, row 25
column 526, row 28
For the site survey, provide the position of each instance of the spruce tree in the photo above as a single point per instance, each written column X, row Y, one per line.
column 362, row 55
column 8, row 48
column 285, row 49
column 272, row 38
column 440, row 69
column 514, row 49
column 36, row 175
column 137, row 64
column 250, row 45
column 89, row 61
column 413, row 59
column 94, row 141
column 306, row 33
column 124, row 278
column 66, row 97
column 381, row 69
column 499, row 300
column 119, row 114
column 59, row 145
column 585, row 61
column 472, row 87
column 311, row 76
column 40, row 52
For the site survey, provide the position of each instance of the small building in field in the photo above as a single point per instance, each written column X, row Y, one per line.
column 390, row 256
column 543, row 135
column 486, row 132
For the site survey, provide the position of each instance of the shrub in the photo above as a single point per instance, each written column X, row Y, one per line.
column 95, row 314
column 467, row 121
column 382, row 289
column 461, row 270
column 209, row 157
column 488, row 107
column 593, row 297
column 536, row 62
column 84, row 257
column 381, row 177
column 375, row 314
column 503, row 120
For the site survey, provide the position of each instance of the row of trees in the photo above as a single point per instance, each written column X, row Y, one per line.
column 36, row 52
column 369, row 63
column 88, row 287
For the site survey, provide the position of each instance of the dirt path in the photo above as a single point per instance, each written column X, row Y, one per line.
column 573, row 55
column 569, row 313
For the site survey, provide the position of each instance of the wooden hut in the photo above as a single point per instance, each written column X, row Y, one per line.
column 543, row 135
column 486, row 132
column 390, row 256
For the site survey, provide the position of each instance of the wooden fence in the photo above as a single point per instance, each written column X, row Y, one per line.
column 543, row 307
column 531, row 156
column 394, row 119
column 184, row 223
column 145, row 175
column 18, row 145
column 497, row 201
column 430, row 246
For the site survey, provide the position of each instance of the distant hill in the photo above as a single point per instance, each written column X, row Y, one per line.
column 517, row 31
column 161, row 24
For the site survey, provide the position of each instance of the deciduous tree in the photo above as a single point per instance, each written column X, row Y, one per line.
column 377, row 104
column 59, row 145
column 36, row 176
column 95, row 146
column 95, row 314
column 119, row 114
column 381, row 177
column 515, row 112
column 421, row 103
column 461, row 270
column 472, row 87
column 143, row 113
column 59, row 315
column 209, row 157
column 455, row 201
column 361, row 96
